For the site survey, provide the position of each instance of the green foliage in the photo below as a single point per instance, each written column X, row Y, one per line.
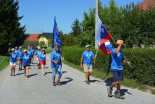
column 142, row 60
column 4, row 61
column 42, row 44
column 130, row 23
column 76, row 28
column 10, row 29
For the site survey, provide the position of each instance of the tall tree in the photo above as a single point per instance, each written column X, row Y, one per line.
column 10, row 29
column 76, row 28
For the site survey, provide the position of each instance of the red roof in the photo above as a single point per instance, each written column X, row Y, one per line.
column 146, row 3
column 33, row 38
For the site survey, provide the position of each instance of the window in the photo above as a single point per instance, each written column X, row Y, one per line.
column 42, row 38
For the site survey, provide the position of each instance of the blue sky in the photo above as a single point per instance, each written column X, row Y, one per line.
column 39, row 14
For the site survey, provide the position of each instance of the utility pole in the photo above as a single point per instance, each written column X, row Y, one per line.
column 96, row 14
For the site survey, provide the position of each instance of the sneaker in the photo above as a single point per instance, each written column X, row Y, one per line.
column 58, row 82
column 27, row 76
column 119, row 96
column 87, row 82
column 109, row 90
column 14, row 74
column 54, row 84
column 11, row 74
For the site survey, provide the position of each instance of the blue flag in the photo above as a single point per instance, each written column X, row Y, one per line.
column 56, row 35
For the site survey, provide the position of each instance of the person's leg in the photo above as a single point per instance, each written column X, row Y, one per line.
column 14, row 67
column 53, row 75
column 43, row 66
column 59, row 74
column 27, row 71
column 11, row 69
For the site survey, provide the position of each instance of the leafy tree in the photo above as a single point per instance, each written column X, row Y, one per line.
column 76, row 28
column 10, row 29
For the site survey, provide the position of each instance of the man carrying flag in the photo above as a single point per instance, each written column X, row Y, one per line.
column 117, row 69
column 55, row 56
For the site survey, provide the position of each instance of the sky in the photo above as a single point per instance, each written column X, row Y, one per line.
column 38, row 15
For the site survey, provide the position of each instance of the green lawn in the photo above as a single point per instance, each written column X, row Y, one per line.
column 109, row 78
column 4, row 63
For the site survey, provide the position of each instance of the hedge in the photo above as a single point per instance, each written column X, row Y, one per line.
column 142, row 61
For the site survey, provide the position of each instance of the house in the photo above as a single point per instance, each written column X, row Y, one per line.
column 45, row 40
column 33, row 40
column 144, row 5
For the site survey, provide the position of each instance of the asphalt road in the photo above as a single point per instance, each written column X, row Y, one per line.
column 38, row 89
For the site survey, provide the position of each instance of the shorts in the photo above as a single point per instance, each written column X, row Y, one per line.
column 12, row 64
column 118, row 75
column 57, row 69
column 88, row 68
column 42, row 62
column 25, row 66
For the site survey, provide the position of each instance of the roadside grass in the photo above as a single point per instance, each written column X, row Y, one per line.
column 109, row 78
column 4, row 63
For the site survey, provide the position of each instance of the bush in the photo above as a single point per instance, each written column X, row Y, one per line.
column 142, row 61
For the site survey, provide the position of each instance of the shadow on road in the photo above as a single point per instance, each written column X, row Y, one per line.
column 19, row 74
column 65, row 82
column 31, row 75
column 109, row 81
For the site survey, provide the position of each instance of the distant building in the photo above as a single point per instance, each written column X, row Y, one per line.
column 33, row 39
column 45, row 40
column 146, row 3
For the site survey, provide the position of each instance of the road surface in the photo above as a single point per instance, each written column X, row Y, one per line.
column 38, row 89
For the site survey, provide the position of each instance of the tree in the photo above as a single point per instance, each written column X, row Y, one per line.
column 76, row 28
column 10, row 29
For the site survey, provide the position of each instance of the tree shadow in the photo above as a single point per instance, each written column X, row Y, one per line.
column 68, row 80
column 31, row 75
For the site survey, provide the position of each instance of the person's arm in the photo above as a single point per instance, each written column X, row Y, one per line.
column 127, row 62
column 81, row 62
column 9, row 52
column 119, row 47
column 52, row 59
column 94, row 57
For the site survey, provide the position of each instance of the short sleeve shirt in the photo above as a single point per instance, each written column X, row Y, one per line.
column 42, row 57
column 56, row 56
column 116, row 60
column 87, row 57
column 13, row 57
column 29, row 52
column 20, row 54
column 26, row 59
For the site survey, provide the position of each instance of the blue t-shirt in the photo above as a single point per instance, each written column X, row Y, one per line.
column 56, row 56
column 26, row 60
column 87, row 57
column 42, row 57
column 16, row 51
column 20, row 54
column 116, row 60
column 29, row 52
column 33, row 50
column 13, row 57
column 37, row 53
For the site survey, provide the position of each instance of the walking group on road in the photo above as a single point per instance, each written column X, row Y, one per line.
column 25, row 58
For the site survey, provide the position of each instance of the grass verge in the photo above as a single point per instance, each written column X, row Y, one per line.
column 109, row 78
column 3, row 63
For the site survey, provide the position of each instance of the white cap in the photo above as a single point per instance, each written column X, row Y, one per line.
column 12, row 49
column 39, row 48
column 87, row 46
column 20, row 47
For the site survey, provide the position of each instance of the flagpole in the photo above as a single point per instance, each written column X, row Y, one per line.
column 96, row 55
column 96, row 14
